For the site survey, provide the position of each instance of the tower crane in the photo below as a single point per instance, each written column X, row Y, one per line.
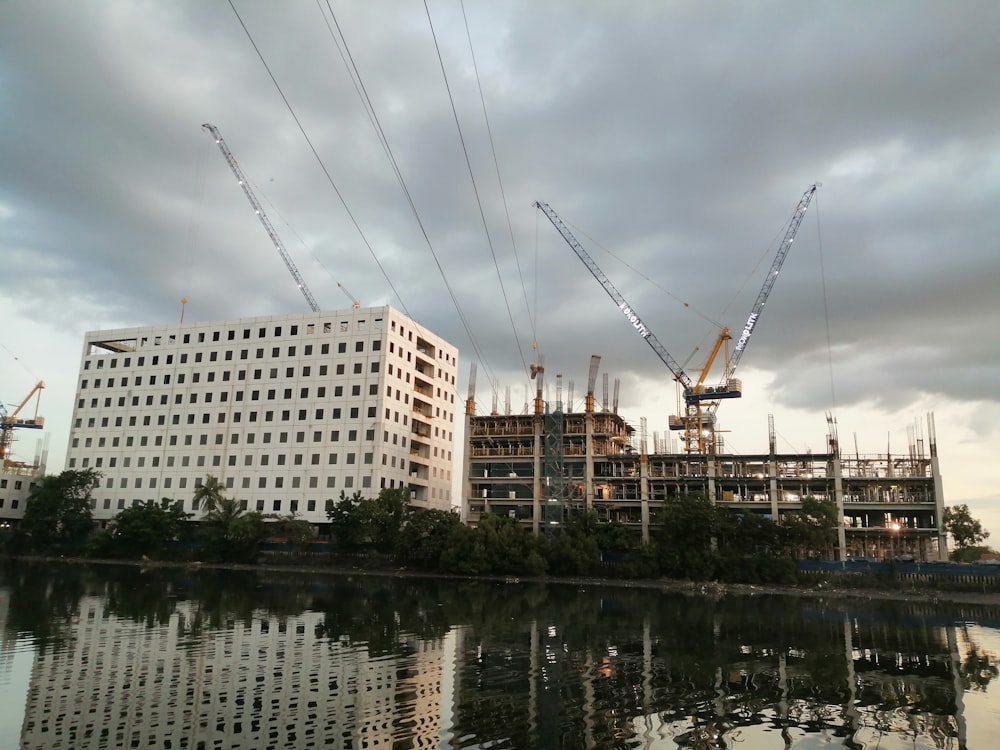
column 697, row 423
column 765, row 290
column 259, row 210
column 700, row 401
column 354, row 302
column 8, row 422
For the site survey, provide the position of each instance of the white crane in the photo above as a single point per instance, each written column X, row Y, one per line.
column 259, row 210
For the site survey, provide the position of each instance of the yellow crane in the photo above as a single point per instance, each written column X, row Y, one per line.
column 9, row 422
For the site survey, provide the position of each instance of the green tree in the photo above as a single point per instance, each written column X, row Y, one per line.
column 382, row 518
column 575, row 549
column 347, row 524
column 58, row 515
column 147, row 528
column 208, row 494
column 509, row 547
column 297, row 531
column 813, row 528
column 972, row 554
column 964, row 529
column 425, row 537
column 231, row 534
column 465, row 552
column 685, row 539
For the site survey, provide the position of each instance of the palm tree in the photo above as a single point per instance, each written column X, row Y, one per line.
column 209, row 495
column 224, row 514
column 232, row 534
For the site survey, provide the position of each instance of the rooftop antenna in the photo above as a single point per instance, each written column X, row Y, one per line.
column 184, row 302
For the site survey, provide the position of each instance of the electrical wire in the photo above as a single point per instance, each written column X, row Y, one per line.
column 475, row 188
column 496, row 164
column 319, row 160
column 826, row 311
column 348, row 59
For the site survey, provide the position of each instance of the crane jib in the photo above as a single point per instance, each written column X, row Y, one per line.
column 747, row 330
column 634, row 319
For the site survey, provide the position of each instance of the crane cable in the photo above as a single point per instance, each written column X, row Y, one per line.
column 319, row 159
column 298, row 236
column 362, row 91
column 663, row 289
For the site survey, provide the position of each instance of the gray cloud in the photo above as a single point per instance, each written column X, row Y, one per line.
column 677, row 135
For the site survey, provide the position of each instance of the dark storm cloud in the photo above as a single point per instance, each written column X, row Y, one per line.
column 678, row 135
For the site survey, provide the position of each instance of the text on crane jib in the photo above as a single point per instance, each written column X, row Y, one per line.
column 634, row 320
column 747, row 330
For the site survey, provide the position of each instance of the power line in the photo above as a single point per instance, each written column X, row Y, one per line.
column 475, row 189
column 826, row 314
column 348, row 59
column 319, row 160
column 496, row 164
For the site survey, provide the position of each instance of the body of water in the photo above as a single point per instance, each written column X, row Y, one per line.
column 123, row 657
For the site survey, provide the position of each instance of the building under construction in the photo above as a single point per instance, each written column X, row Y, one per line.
column 17, row 475
column 543, row 465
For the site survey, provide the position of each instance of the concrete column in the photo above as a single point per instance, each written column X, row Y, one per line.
column 466, row 485
column 644, row 496
column 588, row 462
column 772, row 486
column 711, row 469
column 838, row 496
column 942, row 535
column 539, row 489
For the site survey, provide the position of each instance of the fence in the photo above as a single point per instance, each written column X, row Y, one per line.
column 970, row 577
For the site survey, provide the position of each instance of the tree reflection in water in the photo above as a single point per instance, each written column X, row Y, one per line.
column 536, row 665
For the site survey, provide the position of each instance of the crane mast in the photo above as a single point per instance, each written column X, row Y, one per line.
column 259, row 210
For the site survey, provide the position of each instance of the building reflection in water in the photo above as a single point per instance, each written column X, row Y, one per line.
column 264, row 682
column 373, row 662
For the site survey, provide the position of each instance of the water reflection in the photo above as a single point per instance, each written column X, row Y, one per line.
column 172, row 658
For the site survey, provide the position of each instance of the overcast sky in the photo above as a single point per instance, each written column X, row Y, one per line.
column 674, row 137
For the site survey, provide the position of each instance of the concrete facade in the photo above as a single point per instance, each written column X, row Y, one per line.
column 286, row 411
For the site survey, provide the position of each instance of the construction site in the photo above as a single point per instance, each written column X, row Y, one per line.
column 19, row 474
column 539, row 467
column 542, row 464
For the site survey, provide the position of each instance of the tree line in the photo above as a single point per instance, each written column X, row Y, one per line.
column 691, row 539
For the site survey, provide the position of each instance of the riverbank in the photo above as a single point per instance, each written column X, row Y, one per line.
column 709, row 589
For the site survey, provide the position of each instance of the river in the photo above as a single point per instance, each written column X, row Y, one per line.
column 102, row 656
